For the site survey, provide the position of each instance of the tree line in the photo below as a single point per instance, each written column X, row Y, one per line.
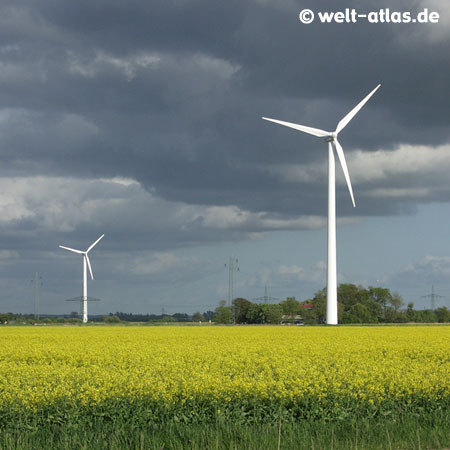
column 118, row 317
column 356, row 304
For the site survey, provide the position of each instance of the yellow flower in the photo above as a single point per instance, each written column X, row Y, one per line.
column 88, row 366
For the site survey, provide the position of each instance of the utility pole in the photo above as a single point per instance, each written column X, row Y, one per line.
column 433, row 296
column 82, row 300
column 37, row 283
column 266, row 299
column 232, row 266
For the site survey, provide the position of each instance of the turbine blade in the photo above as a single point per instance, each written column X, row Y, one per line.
column 94, row 244
column 71, row 250
column 89, row 265
column 341, row 155
column 343, row 123
column 309, row 130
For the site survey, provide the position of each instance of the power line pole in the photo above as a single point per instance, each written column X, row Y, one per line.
column 231, row 268
column 433, row 296
column 82, row 299
column 37, row 283
column 266, row 299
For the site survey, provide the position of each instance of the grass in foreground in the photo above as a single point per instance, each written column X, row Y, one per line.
column 429, row 432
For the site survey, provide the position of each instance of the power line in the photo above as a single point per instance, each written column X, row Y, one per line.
column 37, row 281
column 232, row 267
column 433, row 296
column 266, row 298
column 81, row 299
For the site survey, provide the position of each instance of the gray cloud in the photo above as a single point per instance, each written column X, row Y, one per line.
column 144, row 119
column 61, row 207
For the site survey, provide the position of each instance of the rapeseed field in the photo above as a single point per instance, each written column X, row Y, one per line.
column 211, row 373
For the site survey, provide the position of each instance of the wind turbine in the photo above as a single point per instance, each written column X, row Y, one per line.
column 331, row 138
column 87, row 263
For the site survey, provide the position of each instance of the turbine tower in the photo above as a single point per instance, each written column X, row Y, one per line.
column 86, row 263
column 331, row 138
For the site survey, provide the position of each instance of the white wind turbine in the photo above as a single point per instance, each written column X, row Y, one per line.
column 331, row 138
column 87, row 263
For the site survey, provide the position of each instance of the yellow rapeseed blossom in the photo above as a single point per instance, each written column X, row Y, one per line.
column 90, row 365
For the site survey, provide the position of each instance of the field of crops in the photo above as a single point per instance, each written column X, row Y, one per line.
column 204, row 374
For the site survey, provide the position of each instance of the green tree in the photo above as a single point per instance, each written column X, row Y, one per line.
column 261, row 313
column 319, row 303
column 4, row 318
column 442, row 314
column 410, row 312
column 395, row 316
column 290, row 306
column 380, row 295
column 273, row 314
column 223, row 313
column 240, row 308
column 111, row 319
column 350, row 294
column 426, row 316
column 359, row 313
column 255, row 314
column 48, row 320
column 198, row 317
column 396, row 301
column 74, row 320
column 167, row 318
column 359, row 304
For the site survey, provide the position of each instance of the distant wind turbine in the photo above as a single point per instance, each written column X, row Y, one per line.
column 331, row 138
column 87, row 263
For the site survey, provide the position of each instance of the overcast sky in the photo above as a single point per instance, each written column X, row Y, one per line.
column 142, row 120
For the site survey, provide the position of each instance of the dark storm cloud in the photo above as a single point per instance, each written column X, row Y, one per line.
column 171, row 94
